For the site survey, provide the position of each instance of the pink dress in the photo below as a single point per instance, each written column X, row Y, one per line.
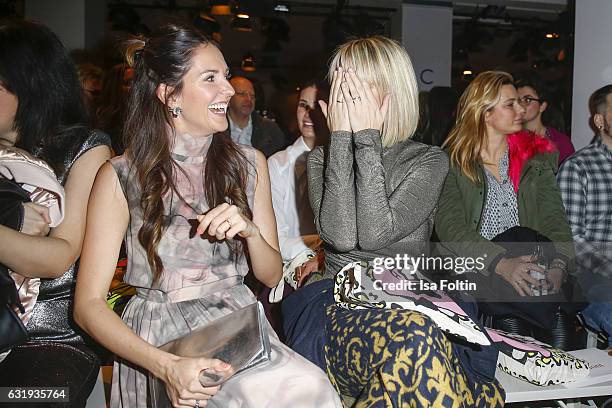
column 201, row 282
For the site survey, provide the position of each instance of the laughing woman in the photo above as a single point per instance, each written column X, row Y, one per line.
column 374, row 192
column 191, row 204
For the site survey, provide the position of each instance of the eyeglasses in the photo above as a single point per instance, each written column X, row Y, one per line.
column 526, row 100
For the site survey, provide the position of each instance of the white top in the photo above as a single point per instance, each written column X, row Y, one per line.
column 294, row 218
column 239, row 135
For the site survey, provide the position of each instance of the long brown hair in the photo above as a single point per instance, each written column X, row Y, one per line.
column 468, row 137
column 165, row 58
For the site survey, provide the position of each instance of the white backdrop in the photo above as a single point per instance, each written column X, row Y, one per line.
column 592, row 62
column 427, row 35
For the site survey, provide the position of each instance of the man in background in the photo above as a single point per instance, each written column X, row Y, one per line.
column 248, row 127
column 585, row 180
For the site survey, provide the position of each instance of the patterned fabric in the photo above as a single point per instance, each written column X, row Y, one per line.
column 357, row 287
column 585, row 180
column 501, row 209
column 398, row 358
column 201, row 282
column 535, row 362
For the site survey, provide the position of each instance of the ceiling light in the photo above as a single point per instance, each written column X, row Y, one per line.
column 241, row 24
column 220, row 8
column 248, row 63
column 281, row 8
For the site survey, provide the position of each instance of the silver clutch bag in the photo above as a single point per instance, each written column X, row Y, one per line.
column 239, row 339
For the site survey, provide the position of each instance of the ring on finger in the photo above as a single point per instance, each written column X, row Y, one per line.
column 197, row 404
column 228, row 222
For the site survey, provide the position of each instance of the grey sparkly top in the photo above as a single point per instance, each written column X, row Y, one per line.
column 371, row 201
column 52, row 315
column 500, row 212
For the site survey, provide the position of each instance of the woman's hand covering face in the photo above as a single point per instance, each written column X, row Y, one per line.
column 365, row 111
column 336, row 112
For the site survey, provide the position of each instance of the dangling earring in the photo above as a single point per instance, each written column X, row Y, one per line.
column 175, row 112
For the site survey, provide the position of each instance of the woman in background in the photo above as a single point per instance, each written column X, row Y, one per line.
column 501, row 187
column 536, row 101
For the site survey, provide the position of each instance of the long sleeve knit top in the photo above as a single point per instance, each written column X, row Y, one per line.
column 369, row 201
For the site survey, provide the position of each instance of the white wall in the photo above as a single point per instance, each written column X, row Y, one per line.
column 427, row 35
column 592, row 62
column 79, row 24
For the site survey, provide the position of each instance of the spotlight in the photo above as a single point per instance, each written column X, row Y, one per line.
column 241, row 23
column 248, row 63
column 220, row 8
column 281, row 8
column 467, row 72
column 552, row 35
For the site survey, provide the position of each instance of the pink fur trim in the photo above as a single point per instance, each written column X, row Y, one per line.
column 522, row 146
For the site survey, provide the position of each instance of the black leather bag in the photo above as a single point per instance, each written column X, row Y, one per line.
column 12, row 330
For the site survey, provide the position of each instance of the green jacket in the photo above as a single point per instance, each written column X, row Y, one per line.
column 540, row 207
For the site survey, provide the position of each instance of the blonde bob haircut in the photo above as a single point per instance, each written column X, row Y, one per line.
column 469, row 135
column 384, row 64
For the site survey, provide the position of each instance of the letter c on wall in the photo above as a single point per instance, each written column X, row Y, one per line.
column 422, row 76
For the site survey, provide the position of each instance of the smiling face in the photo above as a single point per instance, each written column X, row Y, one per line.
column 205, row 95
column 243, row 102
column 506, row 116
column 8, row 110
column 307, row 103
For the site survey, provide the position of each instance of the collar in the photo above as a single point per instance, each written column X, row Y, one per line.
column 235, row 128
column 292, row 153
column 600, row 145
column 298, row 147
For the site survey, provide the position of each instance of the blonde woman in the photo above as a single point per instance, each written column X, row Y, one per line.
column 373, row 192
column 501, row 183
